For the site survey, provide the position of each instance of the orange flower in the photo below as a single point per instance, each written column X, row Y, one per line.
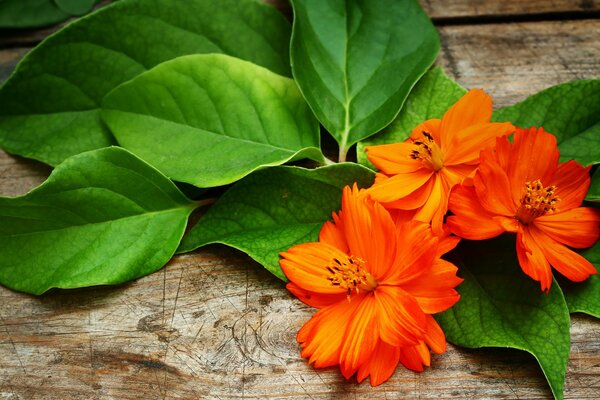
column 418, row 174
column 521, row 187
column 375, row 285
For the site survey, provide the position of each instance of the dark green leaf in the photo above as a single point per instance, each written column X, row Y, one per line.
column 432, row 96
column 273, row 209
column 49, row 108
column 570, row 111
column 593, row 193
column 211, row 119
column 356, row 60
column 102, row 217
column 501, row 307
column 584, row 296
column 30, row 13
column 76, row 7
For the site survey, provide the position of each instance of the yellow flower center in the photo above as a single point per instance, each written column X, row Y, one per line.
column 536, row 201
column 428, row 152
column 351, row 275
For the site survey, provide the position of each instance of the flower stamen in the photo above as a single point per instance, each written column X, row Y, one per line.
column 351, row 275
column 536, row 201
column 428, row 152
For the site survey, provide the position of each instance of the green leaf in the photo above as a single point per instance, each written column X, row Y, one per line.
column 432, row 96
column 49, row 108
column 76, row 7
column 211, row 119
column 593, row 193
column 584, row 296
column 356, row 60
column 274, row 209
column 30, row 13
column 501, row 307
column 570, row 111
column 103, row 217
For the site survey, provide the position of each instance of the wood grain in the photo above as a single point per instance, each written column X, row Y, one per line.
column 214, row 324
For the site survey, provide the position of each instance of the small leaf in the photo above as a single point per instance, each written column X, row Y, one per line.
column 356, row 60
column 30, row 13
column 593, row 193
column 211, row 119
column 49, row 108
column 501, row 307
column 273, row 209
column 584, row 296
column 570, row 111
column 432, row 96
column 76, row 7
column 102, row 218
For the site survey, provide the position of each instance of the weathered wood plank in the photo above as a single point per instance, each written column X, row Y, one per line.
column 215, row 324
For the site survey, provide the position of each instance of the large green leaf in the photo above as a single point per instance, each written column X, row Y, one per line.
column 584, row 296
column 30, row 13
column 593, row 193
column 356, row 60
column 49, row 108
column 211, row 119
column 431, row 97
column 102, row 217
column 571, row 111
column 501, row 307
column 273, row 209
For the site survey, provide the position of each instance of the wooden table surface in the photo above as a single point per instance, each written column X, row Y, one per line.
column 214, row 324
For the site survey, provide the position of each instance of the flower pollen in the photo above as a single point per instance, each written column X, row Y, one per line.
column 536, row 201
column 351, row 275
column 428, row 152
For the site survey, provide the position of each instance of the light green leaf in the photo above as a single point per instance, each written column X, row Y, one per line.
column 273, row 209
column 211, row 119
column 30, row 13
column 584, row 296
column 570, row 111
column 432, row 96
column 49, row 108
column 356, row 60
column 103, row 217
column 501, row 307
column 593, row 193
column 76, row 7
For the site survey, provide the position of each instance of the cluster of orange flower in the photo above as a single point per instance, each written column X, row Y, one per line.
column 376, row 274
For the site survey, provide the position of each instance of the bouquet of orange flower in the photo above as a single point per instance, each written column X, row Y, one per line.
column 448, row 225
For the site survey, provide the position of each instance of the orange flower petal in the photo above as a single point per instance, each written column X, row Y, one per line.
column 470, row 219
column 361, row 336
column 415, row 357
column 417, row 247
column 435, row 338
column 399, row 186
column 306, row 265
column 332, row 233
column 532, row 259
column 414, row 200
column 470, row 141
column 431, row 126
column 393, row 158
column 436, row 207
column 401, row 320
column 579, row 227
column 493, row 187
column 565, row 261
column 434, row 288
column 445, row 244
column 473, row 108
column 572, row 182
column 321, row 338
column 534, row 155
column 381, row 365
column 315, row 299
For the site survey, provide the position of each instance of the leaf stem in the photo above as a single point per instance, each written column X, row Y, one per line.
column 342, row 154
column 206, row 202
column 327, row 161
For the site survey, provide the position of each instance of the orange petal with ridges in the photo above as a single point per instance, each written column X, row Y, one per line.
column 565, row 261
column 414, row 200
column 417, row 247
column 361, row 335
column 532, row 260
column 493, row 187
column 470, row 220
column 577, row 228
column 401, row 320
column 435, row 338
column 315, row 299
column 393, row 158
column 436, row 206
column 398, row 186
column 434, row 288
column 415, row 357
column 572, row 182
column 470, row 141
column 381, row 365
column 332, row 233
column 431, row 126
column 473, row 108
